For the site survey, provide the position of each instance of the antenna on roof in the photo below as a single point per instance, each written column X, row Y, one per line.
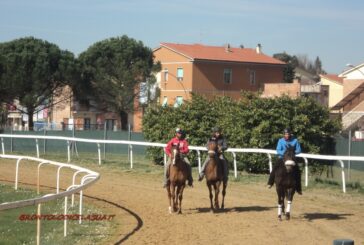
column 227, row 48
column 258, row 49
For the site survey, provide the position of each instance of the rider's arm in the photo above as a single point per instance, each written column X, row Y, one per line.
column 224, row 145
column 281, row 147
column 298, row 147
column 184, row 149
column 169, row 147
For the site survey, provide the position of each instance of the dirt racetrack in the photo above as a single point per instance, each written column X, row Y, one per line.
column 140, row 204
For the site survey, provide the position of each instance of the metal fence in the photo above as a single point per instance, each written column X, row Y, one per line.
column 198, row 149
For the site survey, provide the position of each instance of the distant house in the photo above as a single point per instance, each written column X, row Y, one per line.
column 213, row 70
column 68, row 112
column 336, row 88
column 351, row 106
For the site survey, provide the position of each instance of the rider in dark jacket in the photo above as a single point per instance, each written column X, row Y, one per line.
column 222, row 146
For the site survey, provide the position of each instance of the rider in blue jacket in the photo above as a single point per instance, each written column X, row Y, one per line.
column 283, row 143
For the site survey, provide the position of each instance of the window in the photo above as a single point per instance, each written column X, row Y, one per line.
column 228, row 73
column 165, row 101
column 179, row 101
column 252, row 77
column 179, row 74
column 165, row 75
column 86, row 123
column 110, row 124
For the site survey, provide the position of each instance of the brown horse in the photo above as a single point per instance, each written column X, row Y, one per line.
column 214, row 173
column 285, row 181
column 178, row 173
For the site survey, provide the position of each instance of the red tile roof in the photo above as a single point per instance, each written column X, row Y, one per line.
column 334, row 77
column 219, row 53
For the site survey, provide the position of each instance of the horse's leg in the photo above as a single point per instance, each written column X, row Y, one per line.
column 169, row 198
column 210, row 192
column 173, row 196
column 280, row 202
column 290, row 194
column 180, row 196
column 217, row 191
column 224, row 185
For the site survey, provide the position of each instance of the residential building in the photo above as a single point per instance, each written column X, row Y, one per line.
column 336, row 88
column 351, row 106
column 213, row 71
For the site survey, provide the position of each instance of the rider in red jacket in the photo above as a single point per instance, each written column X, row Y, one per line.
column 183, row 148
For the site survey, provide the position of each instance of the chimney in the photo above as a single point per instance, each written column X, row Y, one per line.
column 227, row 48
column 258, row 49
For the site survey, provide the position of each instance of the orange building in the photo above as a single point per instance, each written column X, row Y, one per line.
column 213, row 70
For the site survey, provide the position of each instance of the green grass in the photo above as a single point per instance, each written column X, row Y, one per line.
column 13, row 230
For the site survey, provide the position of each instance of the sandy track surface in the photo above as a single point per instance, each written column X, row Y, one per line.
column 140, row 206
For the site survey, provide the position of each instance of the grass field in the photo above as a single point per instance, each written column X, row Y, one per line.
column 18, row 226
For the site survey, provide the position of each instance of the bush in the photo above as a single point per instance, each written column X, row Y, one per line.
column 251, row 122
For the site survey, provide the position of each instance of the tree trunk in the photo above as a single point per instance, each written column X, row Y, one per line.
column 30, row 119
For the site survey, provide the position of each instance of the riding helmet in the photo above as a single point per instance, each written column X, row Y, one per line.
column 287, row 131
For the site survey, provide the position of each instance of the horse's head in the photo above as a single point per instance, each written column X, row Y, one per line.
column 212, row 148
column 175, row 153
column 289, row 158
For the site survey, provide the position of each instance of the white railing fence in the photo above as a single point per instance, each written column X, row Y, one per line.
column 86, row 176
column 198, row 149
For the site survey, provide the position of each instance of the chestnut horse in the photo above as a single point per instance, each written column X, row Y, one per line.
column 178, row 173
column 285, row 181
column 214, row 173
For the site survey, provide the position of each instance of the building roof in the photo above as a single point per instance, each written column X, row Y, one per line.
column 353, row 94
column 333, row 77
column 353, row 68
column 221, row 53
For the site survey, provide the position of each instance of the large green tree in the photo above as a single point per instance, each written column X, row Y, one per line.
column 114, row 69
column 33, row 70
column 292, row 63
column 251, row 122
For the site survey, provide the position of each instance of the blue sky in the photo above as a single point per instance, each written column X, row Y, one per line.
column 332, row 30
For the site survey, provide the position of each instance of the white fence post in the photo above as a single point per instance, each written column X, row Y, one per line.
column 343, row 175
column 2, row 146
column 37, row 147
column 99, row 152
column 235, row 166
column 68, row 151
column 306, row 171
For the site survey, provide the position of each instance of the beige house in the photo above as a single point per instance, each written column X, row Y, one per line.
column 213, row 70
column 351, row 106
column 336, row 88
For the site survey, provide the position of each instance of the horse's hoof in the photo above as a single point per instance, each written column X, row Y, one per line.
column 279, row 217
column 288, row 216
column 170, row 210
column 180, row 212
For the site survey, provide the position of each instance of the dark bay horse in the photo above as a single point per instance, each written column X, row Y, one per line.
column 285, row 181
column 178, row 173
column 214, row 173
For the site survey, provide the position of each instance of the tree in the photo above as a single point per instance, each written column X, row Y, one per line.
column 292, row 62
column 115, row 68
column 318, row 66
column 34, row 70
